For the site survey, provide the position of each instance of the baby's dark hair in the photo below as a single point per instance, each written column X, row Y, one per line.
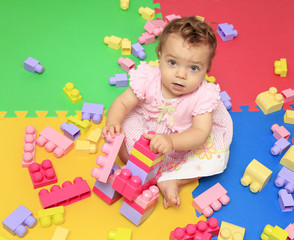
column 193, row 31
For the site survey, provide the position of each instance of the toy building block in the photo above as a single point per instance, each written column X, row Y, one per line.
column 146, row 38
column 54, row 141
column 210, row 79
column 226, row 31
column 230, row 231
column 285, row 178
column 60, row 233
column 288, row 95
column 211, row 200
column 28, row 156
column 280, row 132
column 46, row 216
column 119, row 80
column 155, row 27
column 124, row 4
column 280, row 146
column 147, row 13
column 286, row 201
column 70, row 130
column 226, row 99
column 92, row 111
column 290, row 230
column 113, row 42
column 273, row 233
column 202, row 19
column 126, row 47
column 83, row 125
column 154, row 63
column 138, row 51
column 269, row 101
column 84, row 147
column 126, row 64
column 120, row 234
column 106, row 162
column 289, row 117
column 68, row 194
column 33, row 65
column 288, row 159
column 106, row 192
column 171, row 17
column 257, row 175
column 42, row 174
column 94, row 135
column 15, row 223
column 147, row 197
column 281, row 67
column 72, row 93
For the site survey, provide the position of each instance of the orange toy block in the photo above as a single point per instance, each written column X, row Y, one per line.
column 269, row 101
column 230, row 231
column 147, row 13
column 289, row 117
column 273, row 233
column 85, row 147
column 94, row 135
column 281, row 67
column 288, row 159
column 211, row 200
column 28, row 156
column 72, row 93
column 126, row 47
column 113, row 42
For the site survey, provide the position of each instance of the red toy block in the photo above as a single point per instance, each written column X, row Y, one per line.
column 288, row 95
column 132, row 188
column 280, row 132
column 28, row 156
column 146, row 38
column 42, row 174
column 148, row 197
column 104, row 197
column 68, row 194
column 121, row 180
column 126, row 64
column 54, row 141
column 106, row 162
column 155, row 26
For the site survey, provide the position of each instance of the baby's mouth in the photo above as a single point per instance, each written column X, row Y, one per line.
column 177, row 84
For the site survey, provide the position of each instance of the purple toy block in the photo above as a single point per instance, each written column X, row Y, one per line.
column 226, row 31
column 92, row 111
column 15, row 223
column 106, row 188
column 285, row 178
column 226, row 99
column 70, row 130
column 33, row 65
column 119, row 80
column 285, row 201
column 138, row 51
column 280, row 146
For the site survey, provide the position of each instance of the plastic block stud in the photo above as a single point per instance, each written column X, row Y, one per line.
column 226, row 99
column 288, row 95
column 106, row 162
column 55, row 214
column 72, row 93
column 17, row 221
column 85, row 147
column 33, row 65
column 280, row 146
column 119, row 80
column 120, row 234
column 280, row 132
column 273, row 233
column 126, row 64
column 60, row 233
column 138, row 51
column 77, row 120
column 126, row 47
column 70, row 130
column 290, row 230
column 230, row 231
column 146, row 38
column 28, row 156
column 124, row 4
column 269, row 101
column 148, row 197
column 92, row 111
column 286, row 201
column 257, row 175
column 281, row 67
column 211, row 200
column 147, row 13
column 226, row 31
column 289, row 117
column 113, row 42
column 155, row 27
column 94, row 135
column 285, row 179
column 288, row 159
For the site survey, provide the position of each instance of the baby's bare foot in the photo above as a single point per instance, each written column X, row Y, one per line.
column 170, row 191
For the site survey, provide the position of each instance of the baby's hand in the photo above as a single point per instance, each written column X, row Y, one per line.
column 159, row 143
column 114, row 129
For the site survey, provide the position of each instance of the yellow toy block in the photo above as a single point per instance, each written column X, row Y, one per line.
column 147, row 13
column 126, row 47
column 124, row 4
column 85, row 147
column 55, row 214
column 200, row 18
column 257, row 175
column 94, row 135
column 120, row 234
column 230, row 231
column 113, row 42
column 289, row 117
column 288, row 159
column 273, row 233
column 72, row 93
column 154, row 63
column 82, row 124
column 210, row 79
column 60, row 234
column 281, row 67
column 269, row 101
column 145, row 159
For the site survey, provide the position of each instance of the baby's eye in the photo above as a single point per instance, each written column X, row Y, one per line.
column 194, row 68
column 171, row 62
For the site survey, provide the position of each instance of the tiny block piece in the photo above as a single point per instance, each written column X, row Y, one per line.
column 28, row 156
column 202, row 19
column 55, row 214
column 281, row 67
column 72, row 93
column 171, row 17
column 70, row 130
column 269, row 101
column 285, row 178
column 226, row 31
column 120, row 234
column 155, row 27
column 92, row 111
column 84, row 147
column 146, row 38
column 230, row 231
column 286, row 201
column 60, row 233
column 83, row 125
column 113, row 42
column 288, row 159
column 124, row 4
column 33, row 65
column 257, row 175
column 154, row 63
column 280, row 132
column 126, row 47
column 280, row 146
column 94, row 135
column 289, row 117
column 290, row 230
column 119, row 80
column 138, row 51
column 147, row 13
column 15, row 223
column 226, row 99
column 126, row 64
column 211, row 200
column 210, row 79
column 273, row 233
column 288, row 95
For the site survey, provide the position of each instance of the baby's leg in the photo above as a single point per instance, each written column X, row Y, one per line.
column 123, row 153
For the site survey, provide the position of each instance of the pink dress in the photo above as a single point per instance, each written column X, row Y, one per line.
column 154, row 113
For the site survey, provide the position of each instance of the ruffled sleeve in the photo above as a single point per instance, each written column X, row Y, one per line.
column 207, row 98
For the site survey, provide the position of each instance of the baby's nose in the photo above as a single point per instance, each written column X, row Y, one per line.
column 181, row 73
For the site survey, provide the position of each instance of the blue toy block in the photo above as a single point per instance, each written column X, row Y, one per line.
column 119, row 80
column 226, row 99
column 280, row 146
column 92, row 111
column 33, row 65
column 138, row 51
column 70, row 130
column 226, row 31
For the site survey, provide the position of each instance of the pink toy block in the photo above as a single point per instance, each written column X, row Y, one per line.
column 290, row 230
column 211, row 200
column 42, row 174
column 147, row 197
column 146, row 38
column 113, row 176
column 138, row 208
column 288, row 95
column 285, row 178
column 171, row 17
column 126, row 64
column 68, row 194
column 155, row 26
column 286, row 201
column 106, row 162
column 280, row 132
column 28, row 156
column 54, row 141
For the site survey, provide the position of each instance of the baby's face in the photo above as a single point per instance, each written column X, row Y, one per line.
column 183, row 67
